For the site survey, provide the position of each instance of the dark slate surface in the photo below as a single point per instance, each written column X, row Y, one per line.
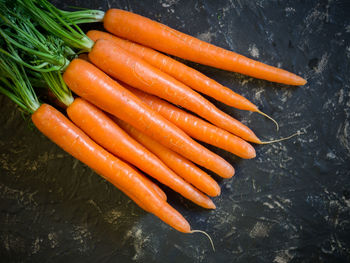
column 289, row 204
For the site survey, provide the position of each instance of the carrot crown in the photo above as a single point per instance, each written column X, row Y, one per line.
column 58, row 87
column 15, row 84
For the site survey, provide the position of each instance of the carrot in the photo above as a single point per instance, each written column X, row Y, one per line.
column 106, row 133
column 67, row 32
column 156, row 188
column 60, row 130
column 151, row 184
column 196, row 127
column 185, row 74
column 61, row 95
column 177, row 163
column 95, row 86
column 134, row 71
column 163, row 38
column 16, row 85
column 110, row 136
column 137, row 201
column 180, row 71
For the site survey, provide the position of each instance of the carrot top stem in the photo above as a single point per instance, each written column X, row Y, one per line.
column 52, row 20
column 28, row 46
column 284, row 138
column 269, row 117
column 207, row 235
column 86, row 16
column 58, row 87
column 15, row 84
column 45, row 61
column 81, row 16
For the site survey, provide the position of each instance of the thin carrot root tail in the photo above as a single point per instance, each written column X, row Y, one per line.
column 285, row 138
column 269, row 117
column 206, row 234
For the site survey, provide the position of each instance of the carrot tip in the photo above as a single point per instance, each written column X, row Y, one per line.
column 253, row 155
column 207, row 235
column 228, row 176
column 254, row 140
column 301, row 81
column 214, row 192
column 296, row 80
column 218, row 192
column 212, row 205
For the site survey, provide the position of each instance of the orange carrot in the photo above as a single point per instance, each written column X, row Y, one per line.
column 99, row 127
column 137, row 201
column 134, row 71
column 180, row 71
column 152, row 185
column 163, row 38
column 196, row 127
column 64, row 133
column 95, row 86
column 59, row 102
column 70, row 138
column 177, row 163
column 157, row 189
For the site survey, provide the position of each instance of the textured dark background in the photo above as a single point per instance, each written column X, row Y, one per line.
column 289, row 204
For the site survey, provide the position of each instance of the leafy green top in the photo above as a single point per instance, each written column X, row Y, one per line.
column 59, row 23
column 15, row 84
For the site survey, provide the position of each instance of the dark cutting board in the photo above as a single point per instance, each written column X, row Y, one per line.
column 289, row 204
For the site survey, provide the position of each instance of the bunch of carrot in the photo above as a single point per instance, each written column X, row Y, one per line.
column 125, row 121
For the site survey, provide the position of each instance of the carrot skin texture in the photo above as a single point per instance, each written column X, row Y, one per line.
column 97, row 126
column 157, row 189
column 136, row 72
column 163, row 38
column 177, row 163
column 96, row 87
column 196, row 127
column 137, row 201
column 104, row 131
column 153, row 186
column 179, row 71
column 65, row 134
